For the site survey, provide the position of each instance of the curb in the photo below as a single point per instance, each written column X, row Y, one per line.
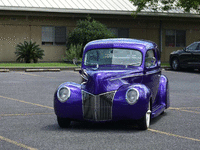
column 4, row 70
column 77, row 69
column 50, row 69
column 42, row 70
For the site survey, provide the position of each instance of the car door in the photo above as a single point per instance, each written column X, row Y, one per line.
column 196, row 55
column 152, row 73
column 187, row 57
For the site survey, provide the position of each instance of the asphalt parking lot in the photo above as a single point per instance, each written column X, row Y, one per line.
column 27, row 119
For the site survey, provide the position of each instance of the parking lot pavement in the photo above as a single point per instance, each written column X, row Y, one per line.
column 27, row 119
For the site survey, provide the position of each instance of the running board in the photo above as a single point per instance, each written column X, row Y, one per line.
column 157, row 110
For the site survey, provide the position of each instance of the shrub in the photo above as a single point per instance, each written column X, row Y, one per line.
column 27, row 52
column 74, row 52
column 88, row 30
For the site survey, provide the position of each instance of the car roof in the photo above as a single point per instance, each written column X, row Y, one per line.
column 142, row 45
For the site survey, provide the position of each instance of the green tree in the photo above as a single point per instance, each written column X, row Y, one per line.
column 28, row 51
column 165, row 5
column 88, row 30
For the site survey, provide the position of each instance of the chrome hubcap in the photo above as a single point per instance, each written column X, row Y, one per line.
column 174, row 64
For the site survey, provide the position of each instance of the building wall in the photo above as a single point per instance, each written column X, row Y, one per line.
column 16, row 29
column 12, row 32
column 192, row 29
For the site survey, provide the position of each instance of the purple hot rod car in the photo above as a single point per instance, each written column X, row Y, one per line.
column 121, row 81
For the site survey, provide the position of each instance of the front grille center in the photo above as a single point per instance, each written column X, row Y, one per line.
column 97, row 107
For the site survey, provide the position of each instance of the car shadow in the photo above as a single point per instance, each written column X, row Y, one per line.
column 95, row 127
column 117, row 126
column 158, row 118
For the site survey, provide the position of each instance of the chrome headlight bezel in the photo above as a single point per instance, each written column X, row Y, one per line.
column 136, row 97
column 59, row 94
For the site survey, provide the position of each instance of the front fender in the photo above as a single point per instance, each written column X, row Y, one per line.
column 163, row 92
column 122, row 110
column 72, row 108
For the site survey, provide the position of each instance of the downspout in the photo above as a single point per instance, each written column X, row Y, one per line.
column 160, row 37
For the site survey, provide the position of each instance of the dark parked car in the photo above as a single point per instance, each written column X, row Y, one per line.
column 121, row 81
column 188, row 57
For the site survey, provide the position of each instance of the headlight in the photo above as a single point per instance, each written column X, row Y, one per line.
column 63, row 93
column 132, row 96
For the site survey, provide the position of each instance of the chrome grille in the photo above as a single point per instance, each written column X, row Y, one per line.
column 97, row 107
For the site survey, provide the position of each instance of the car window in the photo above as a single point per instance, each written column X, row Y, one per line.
column 198, row 47
column 193, row 47
column 113, row 56
column 150, row 59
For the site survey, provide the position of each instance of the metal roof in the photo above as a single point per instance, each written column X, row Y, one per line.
column 121, row 7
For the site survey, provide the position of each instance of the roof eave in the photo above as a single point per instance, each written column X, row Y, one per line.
column 89, row 11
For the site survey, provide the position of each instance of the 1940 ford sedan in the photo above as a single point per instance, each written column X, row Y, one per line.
column 121, row 81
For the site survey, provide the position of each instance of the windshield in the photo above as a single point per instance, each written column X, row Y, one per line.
column 113, row 57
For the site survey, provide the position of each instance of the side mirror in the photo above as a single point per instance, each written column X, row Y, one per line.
column 150, row 62
column 184, row 49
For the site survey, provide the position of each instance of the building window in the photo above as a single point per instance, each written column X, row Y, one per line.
column 120, row 32
column 53, row 35
column 175, row 38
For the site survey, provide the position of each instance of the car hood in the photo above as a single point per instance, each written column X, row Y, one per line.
column 101, row 81
column 176, row 52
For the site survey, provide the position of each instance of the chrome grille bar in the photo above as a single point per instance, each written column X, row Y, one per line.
column 97, row 107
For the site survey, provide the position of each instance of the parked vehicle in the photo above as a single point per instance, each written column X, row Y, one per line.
column 188, row 57
column 121, row 81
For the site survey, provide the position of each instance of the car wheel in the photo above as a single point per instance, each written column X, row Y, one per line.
column 175, row 64
column 144, row 123
column 63, row 122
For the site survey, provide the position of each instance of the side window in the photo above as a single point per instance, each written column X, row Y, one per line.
column 150, row 59
column 192, row 46
column 198, row 47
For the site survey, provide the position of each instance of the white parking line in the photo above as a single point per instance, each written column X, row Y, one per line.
column 174, row 135
column 181, row 109
column 28, row 114
column 16, row 143
column 30, row 74
column 189, row 107
column 152, row 130
column 13, row 99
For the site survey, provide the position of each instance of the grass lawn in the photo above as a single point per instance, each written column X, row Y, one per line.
column 10, row 65
column 165, row 64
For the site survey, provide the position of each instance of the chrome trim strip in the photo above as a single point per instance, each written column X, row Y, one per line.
column 83, row 83
column 153, row 72
column 84, row 77
column 128, row 76
column 140, row 74
column 108, row 92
